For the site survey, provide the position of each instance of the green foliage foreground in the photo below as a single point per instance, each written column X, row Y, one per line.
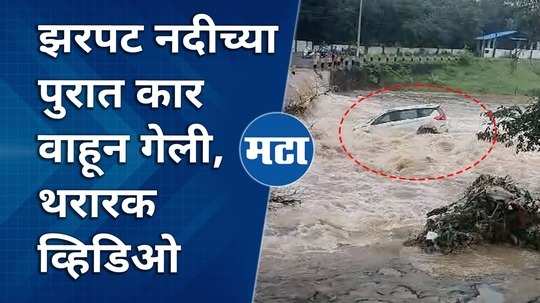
column 518, row 127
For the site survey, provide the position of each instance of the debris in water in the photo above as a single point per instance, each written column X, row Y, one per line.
column 493, row 209
column 280, row 199
column 431, row 236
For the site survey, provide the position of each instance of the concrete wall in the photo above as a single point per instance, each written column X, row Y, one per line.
column 340, row 47
column 377, row 50
column 506, row 53
column 391, row 50
column 527, row 53
column 348, row 62
column 373, row 50
column 300, row 46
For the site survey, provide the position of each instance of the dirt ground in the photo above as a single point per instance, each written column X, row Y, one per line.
column 343, row 242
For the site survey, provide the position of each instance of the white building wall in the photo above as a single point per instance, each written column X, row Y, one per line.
column 506, row 53
column 374, row 50
column 301, row 45
column 377, row 50
column 390, row 50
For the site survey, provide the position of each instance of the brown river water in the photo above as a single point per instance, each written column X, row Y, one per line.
column 343, row 243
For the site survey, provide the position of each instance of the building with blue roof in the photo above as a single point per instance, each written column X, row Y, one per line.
column 505, row 42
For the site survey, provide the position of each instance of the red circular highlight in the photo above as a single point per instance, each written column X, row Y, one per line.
column 396, row 87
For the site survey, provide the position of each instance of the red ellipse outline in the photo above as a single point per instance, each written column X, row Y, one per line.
column 413, row 178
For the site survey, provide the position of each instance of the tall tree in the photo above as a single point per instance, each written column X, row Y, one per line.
column 417, row 23
column 528, row 17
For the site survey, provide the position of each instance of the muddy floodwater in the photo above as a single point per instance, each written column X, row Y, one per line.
column 343, row 243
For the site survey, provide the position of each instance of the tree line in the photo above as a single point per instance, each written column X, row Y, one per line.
column 416, row 23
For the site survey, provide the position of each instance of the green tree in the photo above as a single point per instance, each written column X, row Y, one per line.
column 414, row 23
column 528, row 17
column 518, row 127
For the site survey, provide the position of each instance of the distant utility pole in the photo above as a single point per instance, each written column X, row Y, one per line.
column 359, row 28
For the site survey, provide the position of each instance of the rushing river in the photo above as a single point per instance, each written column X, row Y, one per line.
column 343, row 242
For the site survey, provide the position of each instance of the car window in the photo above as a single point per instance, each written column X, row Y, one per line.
column 394, row 116
column 424, row 112
column 382, row 119
column 398, row 115
column 405, row 115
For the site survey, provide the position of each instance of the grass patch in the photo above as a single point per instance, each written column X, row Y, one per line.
column 476, row 75
column 488, row 76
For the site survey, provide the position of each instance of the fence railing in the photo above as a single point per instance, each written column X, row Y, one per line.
column 350, row 62
column 300, row 46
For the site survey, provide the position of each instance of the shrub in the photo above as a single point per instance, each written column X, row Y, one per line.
column 465, row 59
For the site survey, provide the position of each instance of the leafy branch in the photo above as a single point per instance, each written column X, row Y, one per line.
column 517, row 127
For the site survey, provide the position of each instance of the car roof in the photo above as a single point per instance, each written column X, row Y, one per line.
column 430, row 106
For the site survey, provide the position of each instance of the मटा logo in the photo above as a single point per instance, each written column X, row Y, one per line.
column 276, row 149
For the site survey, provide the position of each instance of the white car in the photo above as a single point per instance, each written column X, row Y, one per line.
column 427, row 118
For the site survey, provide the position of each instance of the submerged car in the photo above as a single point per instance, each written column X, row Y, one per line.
column 427, row 118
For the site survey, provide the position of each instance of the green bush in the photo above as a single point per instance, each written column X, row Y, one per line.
column 465, row 59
